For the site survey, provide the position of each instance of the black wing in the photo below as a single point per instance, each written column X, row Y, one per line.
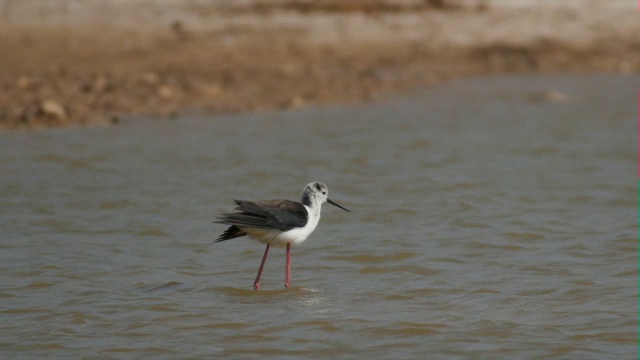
column 268, row 214
column 231, row 233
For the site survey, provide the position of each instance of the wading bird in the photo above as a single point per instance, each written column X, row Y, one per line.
column 277, row 222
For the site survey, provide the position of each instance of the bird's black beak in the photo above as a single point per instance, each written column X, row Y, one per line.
column 334, row 204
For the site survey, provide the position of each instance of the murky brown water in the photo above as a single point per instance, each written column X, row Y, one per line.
column 484, row 224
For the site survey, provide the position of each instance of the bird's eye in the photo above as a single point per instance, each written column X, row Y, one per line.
column 324, row 193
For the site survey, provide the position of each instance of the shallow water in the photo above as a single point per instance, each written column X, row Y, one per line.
column 485, row 223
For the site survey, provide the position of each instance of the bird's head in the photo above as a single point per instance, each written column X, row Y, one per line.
column 316, row 193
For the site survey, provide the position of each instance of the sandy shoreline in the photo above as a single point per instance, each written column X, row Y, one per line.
column 91, row 62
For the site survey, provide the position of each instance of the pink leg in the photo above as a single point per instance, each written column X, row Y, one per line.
column 288, row 275
column 256, row 284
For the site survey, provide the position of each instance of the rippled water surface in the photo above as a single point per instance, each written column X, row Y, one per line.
column 487, row 222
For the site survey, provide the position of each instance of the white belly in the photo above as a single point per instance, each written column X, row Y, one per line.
column 279, row 238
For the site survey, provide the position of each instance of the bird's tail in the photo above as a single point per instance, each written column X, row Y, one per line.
column 231, row 233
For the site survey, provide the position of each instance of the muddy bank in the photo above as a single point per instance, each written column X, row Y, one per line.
column 65, row 66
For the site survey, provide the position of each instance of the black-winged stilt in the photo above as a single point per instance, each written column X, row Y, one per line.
column 277, row 222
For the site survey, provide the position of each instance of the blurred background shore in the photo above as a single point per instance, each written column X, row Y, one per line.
column 69, row 62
